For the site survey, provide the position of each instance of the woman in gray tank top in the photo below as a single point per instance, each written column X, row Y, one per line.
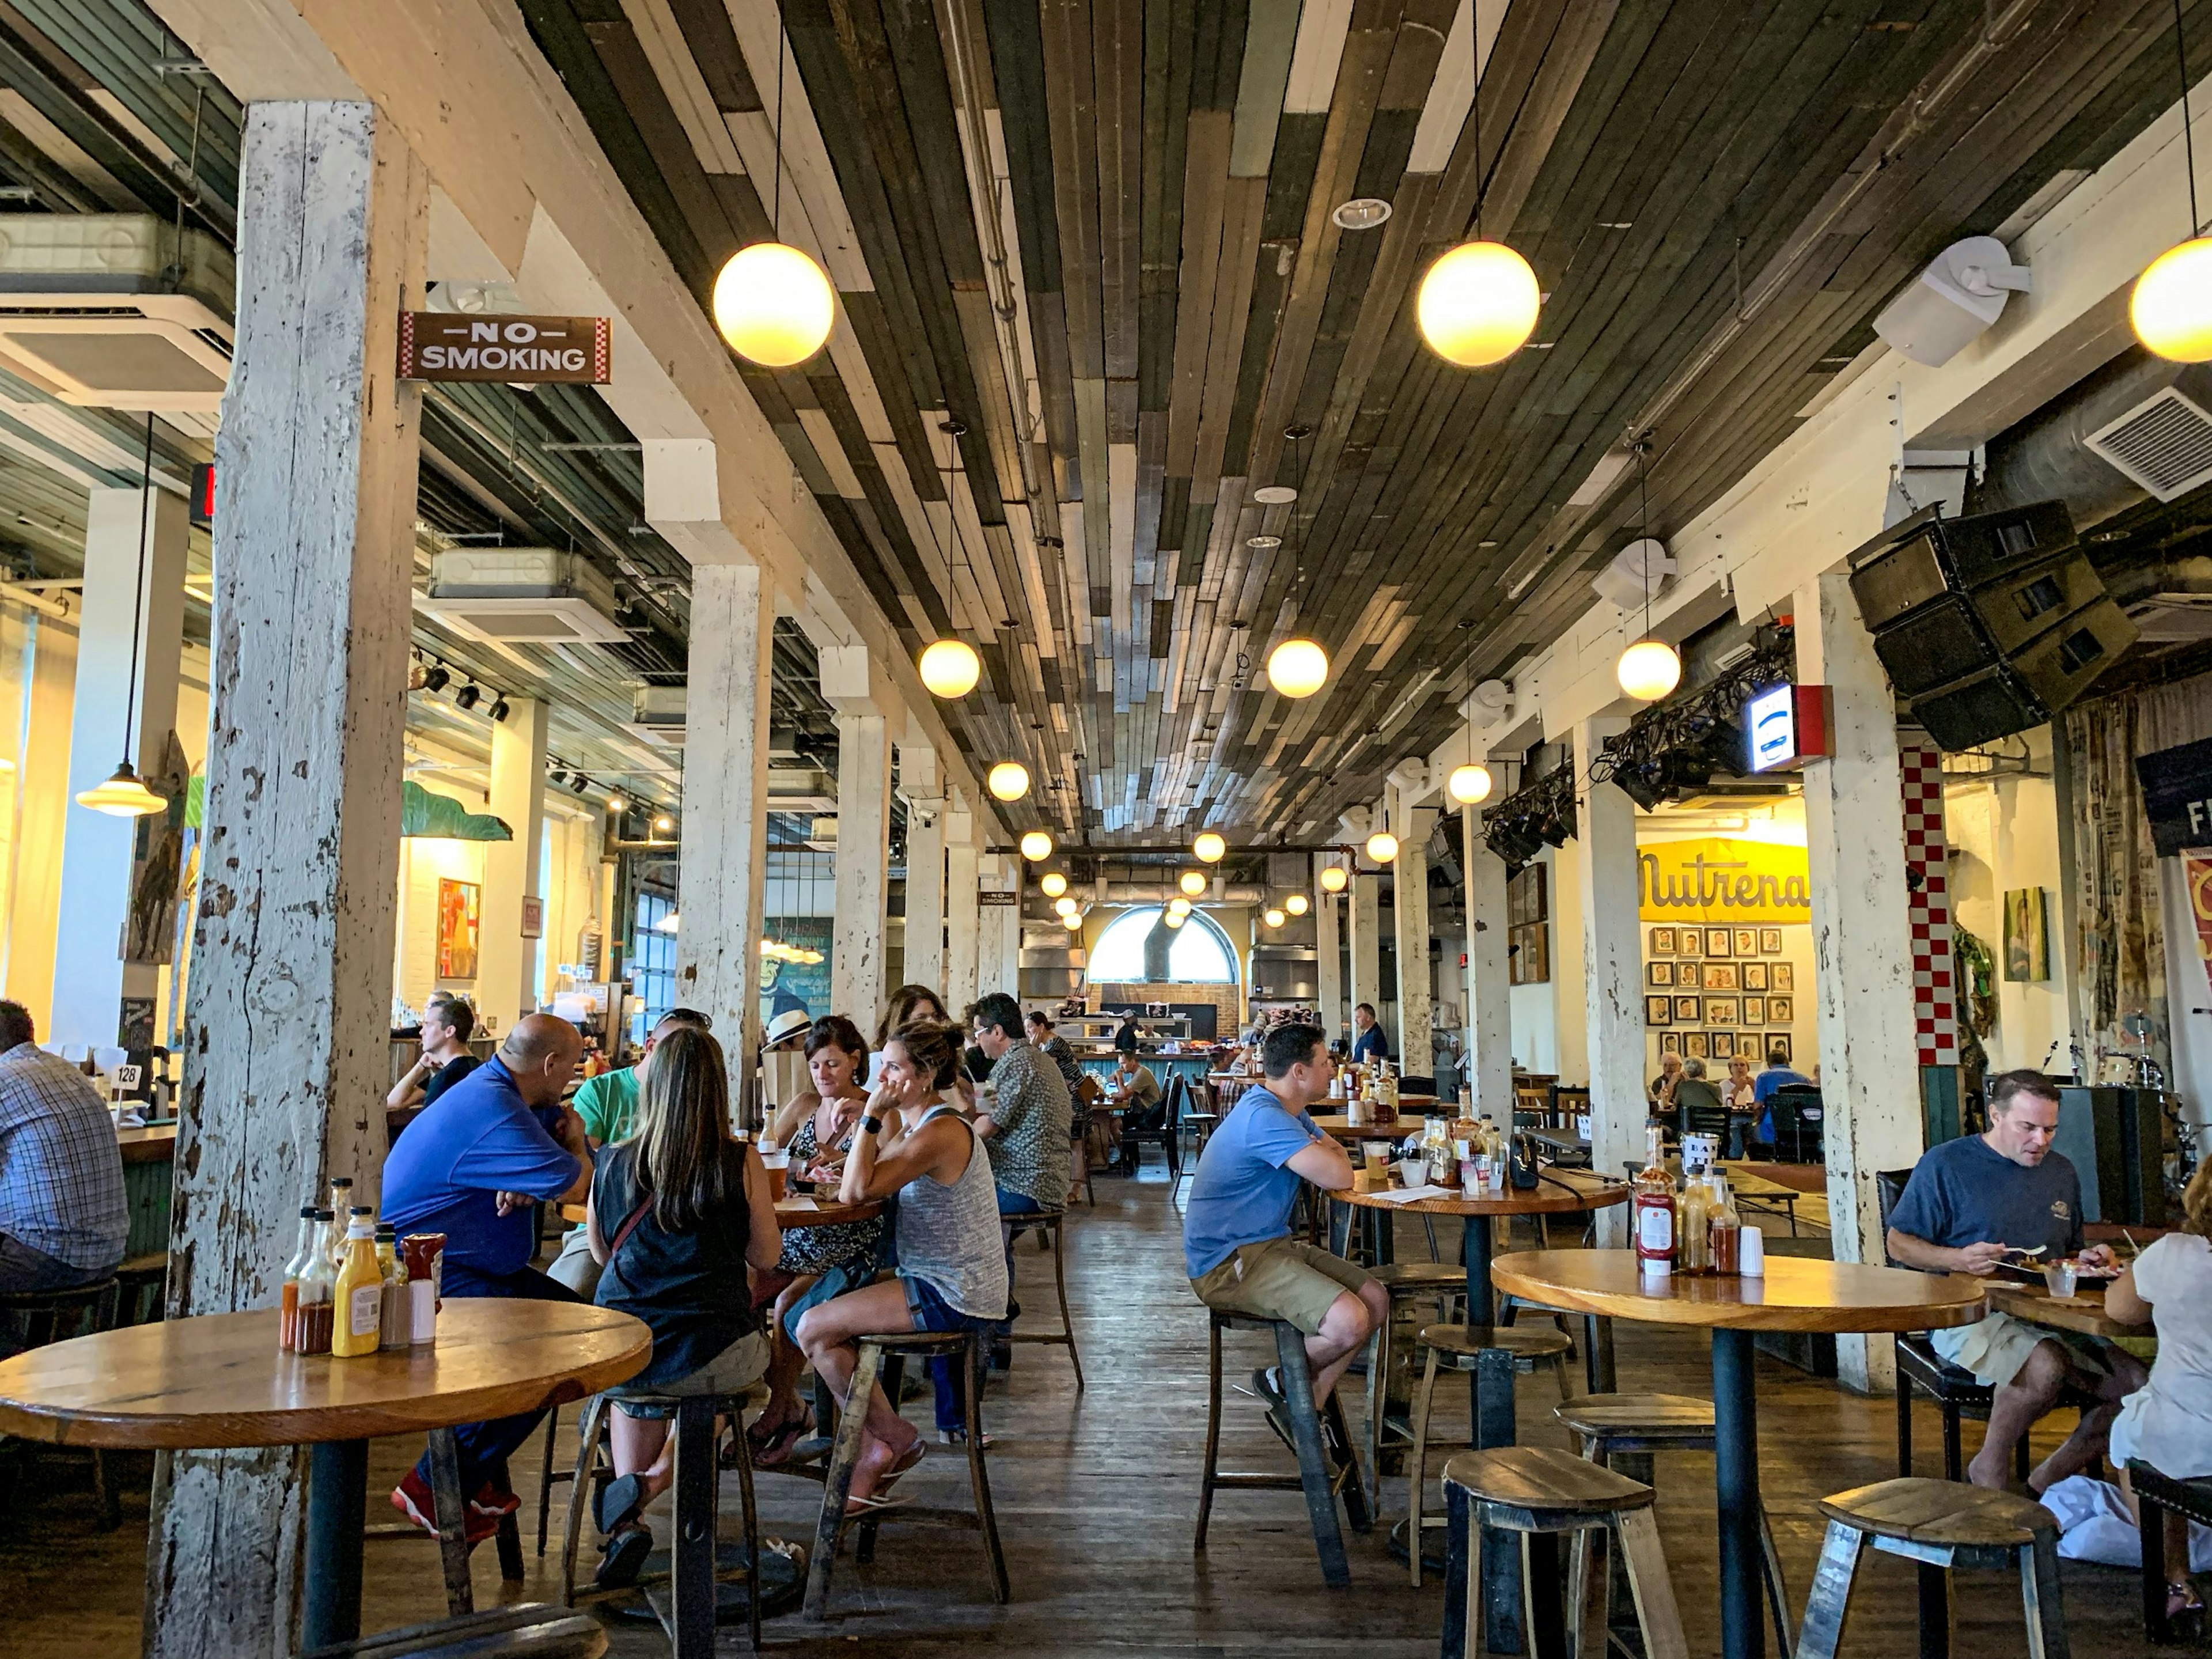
column 952, row 1268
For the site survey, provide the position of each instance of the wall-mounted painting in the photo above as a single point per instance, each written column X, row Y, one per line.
column 1689, row 975
column 1723, row 1045
column 1659, row 975
column 1753, row 974
column 1770, row 941
column 2026, row 935
column 1721, row 977
column 1755, row 1011
column 1658, row 1011
column 1746, row 941
column 1718, row 939
column 1777, row 1043
column 1724, row 1011
column 1782, row 1011
column 1688, row 1011
column 1695, row 1046
column 1782, row 976
column 1662, row 941
column 1691, row 943
column 459, row 921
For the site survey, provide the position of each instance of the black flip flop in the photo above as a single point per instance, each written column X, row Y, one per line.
column 625, row 1554
column 618, row 1501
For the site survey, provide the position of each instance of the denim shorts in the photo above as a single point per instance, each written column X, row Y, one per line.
column 931, row 1312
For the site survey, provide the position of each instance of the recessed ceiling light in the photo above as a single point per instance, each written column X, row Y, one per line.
column 1361, row 213
column 1263, row 543
column 1486, row 544
column 1274, row 495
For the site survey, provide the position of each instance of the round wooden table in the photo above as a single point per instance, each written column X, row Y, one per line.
column 1556, row 1193
column 1795, row 1295
column 821, row 1211
column 218, row 1381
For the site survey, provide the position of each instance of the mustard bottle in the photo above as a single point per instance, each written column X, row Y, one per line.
column 360, row 1324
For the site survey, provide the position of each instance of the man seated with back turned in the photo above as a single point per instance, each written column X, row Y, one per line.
column 63, row 1217
column 472, row 1167
column 1236, row 1241
column 1970, row 1202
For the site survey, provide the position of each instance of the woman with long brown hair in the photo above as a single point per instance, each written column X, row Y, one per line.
column 678, row 1215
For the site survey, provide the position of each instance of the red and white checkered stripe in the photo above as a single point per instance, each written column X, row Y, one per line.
column 1928, row 908
column 602, row 349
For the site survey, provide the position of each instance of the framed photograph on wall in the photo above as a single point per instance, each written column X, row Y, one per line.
column 2026, row 935
column 1777, row 1043
column 1746, row 941
column 1689, row 1011
column 1722, row 1045
column 1753, row 974
column 1782, row 1011
column 1689, row 975
column 1717, row 940
column 1658, row 1011
column 460, row 912
column 1724, row 1011
column 1659, row 975
column 1721, row 977
column 1755, row 1011
column 1770, row 941
column 1695, row 1046
column 1691, row 943
column 1662, row 941
column 1529, row 954
column 1784, row 977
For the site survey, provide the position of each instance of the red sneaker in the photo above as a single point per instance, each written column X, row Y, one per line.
column 494, row 1501
column 412, row 1498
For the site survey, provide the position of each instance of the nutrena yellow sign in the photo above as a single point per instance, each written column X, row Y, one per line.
column 1715, row 880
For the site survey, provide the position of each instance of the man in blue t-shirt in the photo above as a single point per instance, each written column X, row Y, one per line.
column 472, row 1167
column 1235, row 1233
column 1972, row 1203
column 1777, row 1075
column 1368, row 1042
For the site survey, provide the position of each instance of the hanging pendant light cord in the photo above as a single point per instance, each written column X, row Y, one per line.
column 775, row 214
column 1643, row 532
column 138, row 594
column 1474, row 105
column 2188, row 140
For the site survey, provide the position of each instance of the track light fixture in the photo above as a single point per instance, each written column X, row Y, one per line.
column 469, row 696
column 579, row 784
column 499, row 710
column 438, row 678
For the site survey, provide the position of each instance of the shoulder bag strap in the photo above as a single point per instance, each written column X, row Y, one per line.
column 628, row 1227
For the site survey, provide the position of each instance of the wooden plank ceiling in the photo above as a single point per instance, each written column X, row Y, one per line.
column 1090, row 279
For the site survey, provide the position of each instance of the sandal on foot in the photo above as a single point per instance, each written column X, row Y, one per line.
column 872, row 1504
column 624, row 1556
column 618, row 1501
column 777, row 1447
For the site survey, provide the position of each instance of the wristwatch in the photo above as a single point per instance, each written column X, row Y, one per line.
column 873, row 1125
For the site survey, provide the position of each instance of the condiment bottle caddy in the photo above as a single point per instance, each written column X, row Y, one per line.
column 1696, row 1231
column 353, row 1288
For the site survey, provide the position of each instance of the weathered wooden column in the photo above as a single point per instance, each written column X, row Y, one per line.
column 722, row 879
column 285, row 1056
column 1409, row 916
column 923, row 785
column 1489, row 991
column 506, row 987
column 1329, row 950
column 1861, row 943
column 1366, row 914
column 91, row 980
column 1612, row 964
column 962, row 922
column 863, row 827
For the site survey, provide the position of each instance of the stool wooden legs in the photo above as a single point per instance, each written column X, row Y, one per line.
column 450, row 1507
column 1549, row 1630
column 1312, row 1460
column 1638, row 1533
column 979, row 1477
column 1825, row 1610
column 1065, row 1336
column 837, row 1480
column 1208, row 1479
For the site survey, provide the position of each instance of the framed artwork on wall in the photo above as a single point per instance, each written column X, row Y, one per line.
column 1691, row 943
column 1659, row 975
column 1724, row 1011
column 1721, row 977
column 1746, row 941
column 2026, row 935
column 1755, row 1011
column 1689, row 975
column 1695, row 1046
column 460, row 908
column 1753, row 974
column 1662, row 941
column 1658, row 1011
column 1782, row 1011
column 1777, row 1043
column 1688, row 1011
column 1721, row 1045
column 1717, row 940
column 1784, row 977
column 1770, row 941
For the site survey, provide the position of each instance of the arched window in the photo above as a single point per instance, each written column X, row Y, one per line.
column 1198, row 953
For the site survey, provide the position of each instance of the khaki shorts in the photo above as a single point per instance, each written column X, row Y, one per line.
column 1280, row 1279
column 1995, row 1348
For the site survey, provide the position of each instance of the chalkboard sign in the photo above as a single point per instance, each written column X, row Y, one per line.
column 2177, row 785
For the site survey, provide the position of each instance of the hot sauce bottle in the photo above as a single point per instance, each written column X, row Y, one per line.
column 1653, row 1207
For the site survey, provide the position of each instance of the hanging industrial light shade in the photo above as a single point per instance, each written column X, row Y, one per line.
column 1649, row 669
column 1297, row 904
column 1297, row 668
column 1478, row 304
column 1051, row 885
column 1071, row 921
column 1178, row 906
column 1273, row 916
column 1382, row 847
column 1209, row 847
column 1192, row 882
column 122, row 796
column 1008, row 781
column 1171, row 920
column 949, row 668
column 1036, row 847
column 773, row 305
column 1469, row 784
column 1065, row 907
column 1332, row 879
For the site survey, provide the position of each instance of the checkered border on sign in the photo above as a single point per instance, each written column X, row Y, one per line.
column 1928, row 907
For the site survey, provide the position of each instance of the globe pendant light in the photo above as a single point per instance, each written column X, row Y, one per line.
column 1065, row 907
column 2171, row 309
column 124, row 796
column 1298, row 667
column 1478, row 302
column 772, row 302
column 1192, row 882
column 1051, row 885
column 1297, row 904
column 1008, row 781
column 1209, row 847
column 1071, row 923
column 1170, row 920
column 948, row 667
column 1271, row 916
column 1382, row 847
column 1036, row 847
column 1178, row 906
column 1650, row 668
column 1332, row 879
column 1469, row 784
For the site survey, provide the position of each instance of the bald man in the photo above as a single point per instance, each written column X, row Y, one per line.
column 472, row 1167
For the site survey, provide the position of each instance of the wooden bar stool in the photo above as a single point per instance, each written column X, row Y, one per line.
column 2155, row 1495
column 530, row 1630
column 549, row 1475
column 1052, row 1222
column 1444, row 1283
column 1312, row 1441
column 687, row 1610
column 1939, row 1524
column 1495, row 1354
column 1539, row 1492
column 965, row 1349
column 1634, row 1426
column 36, row 1319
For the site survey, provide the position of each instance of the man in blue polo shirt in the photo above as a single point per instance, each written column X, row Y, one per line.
column 1777, row 1075
column 1237, row 1240
column 472, row 1167
column 1368, row 1042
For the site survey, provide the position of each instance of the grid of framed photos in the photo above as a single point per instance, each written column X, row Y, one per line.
column 1718, row 992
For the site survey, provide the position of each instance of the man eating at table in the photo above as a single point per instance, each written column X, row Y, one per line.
column 1971, row 1204
column 472, row 1167
column 1237, row 1240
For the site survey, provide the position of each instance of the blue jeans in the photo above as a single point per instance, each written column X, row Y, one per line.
column 484, row 1448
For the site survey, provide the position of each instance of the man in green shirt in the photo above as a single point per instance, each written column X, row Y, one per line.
column 608, row 1105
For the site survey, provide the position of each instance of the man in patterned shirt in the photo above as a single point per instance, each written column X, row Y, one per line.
column 1025, row 1126
column 63, row 1218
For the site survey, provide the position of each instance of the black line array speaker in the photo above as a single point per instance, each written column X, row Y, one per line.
column 1987, row 625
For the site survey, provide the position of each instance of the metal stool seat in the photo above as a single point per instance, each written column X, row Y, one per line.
column 530, row 1630
column 1495, row 1354
column 1540, row 1493
column 1444, row 1283
column 1312, row 1438
column 42, row 1317
column 965, row 1347
column 1052, row 1222
column 1939, row 1524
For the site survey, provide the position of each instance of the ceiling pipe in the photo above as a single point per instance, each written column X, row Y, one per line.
column 2044, row 456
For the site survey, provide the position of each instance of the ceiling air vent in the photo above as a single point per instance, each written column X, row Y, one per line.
column 522, row 594
column 2165, row 445
column 656, row 713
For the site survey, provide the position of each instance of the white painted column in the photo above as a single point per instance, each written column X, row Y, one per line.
column 1410, row 924
column 99, row 853
column 1604, row 865
column 1329, row 950
column 924, row 789
column 721, row 885
column 1489, row 991
column 864, row 852
column 1862, row 945
column 289, row 999
column 962, row 922
column 506, row 976
column 1366, row 914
